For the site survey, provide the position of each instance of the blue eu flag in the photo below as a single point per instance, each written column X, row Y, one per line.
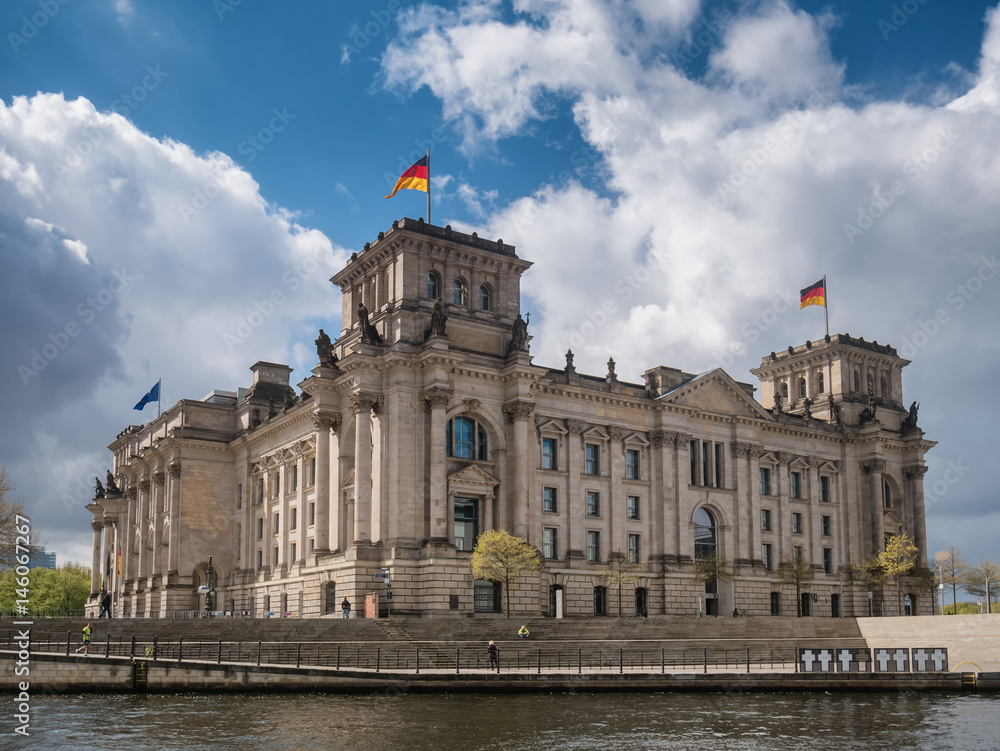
column 152, row 396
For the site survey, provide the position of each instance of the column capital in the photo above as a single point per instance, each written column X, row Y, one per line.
column 96, row 526
column 873, row 465
column 616, row 433
column 576, row 427
column 915, row 472
column 365, row 401
column 144, row 484
column 326, row 422
column 785, row 457
column 740, row 448
column 518, row 410
column 436, row 397
column 174, row 469
column 158, row 476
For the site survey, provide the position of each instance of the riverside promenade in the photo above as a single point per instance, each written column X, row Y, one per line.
column 449, row 654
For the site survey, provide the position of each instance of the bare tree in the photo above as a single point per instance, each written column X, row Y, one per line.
column 953, row 573
column 978, row 581
column 796, row 570
column 619, row 572
column 12, row 523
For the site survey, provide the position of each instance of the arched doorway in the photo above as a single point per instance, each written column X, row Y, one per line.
column 909, row 604
column 706, row 548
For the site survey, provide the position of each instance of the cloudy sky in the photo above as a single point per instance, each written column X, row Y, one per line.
column 676, row 169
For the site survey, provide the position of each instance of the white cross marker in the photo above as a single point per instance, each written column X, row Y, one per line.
column 825, row 658
column 920, row 658
column 808, row 658
column 882, row 658
column 900, row 659
column 940, row 659
column 846, row 658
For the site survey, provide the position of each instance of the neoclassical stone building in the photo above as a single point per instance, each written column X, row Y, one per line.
column 426, row 422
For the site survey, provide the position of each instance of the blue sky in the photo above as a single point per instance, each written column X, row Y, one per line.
column 601, row 138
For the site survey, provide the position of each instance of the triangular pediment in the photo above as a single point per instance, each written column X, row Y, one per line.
column 716, row 392
column 473, row 476
column 889, row 519
column 348, row 479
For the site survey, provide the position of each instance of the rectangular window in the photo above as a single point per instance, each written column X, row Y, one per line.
column 593, row 464
column 796, row 523
column 706, row 449
column 239, row 539
column 260, row 489
column 312, row 471
column 239, row 495
column 824, row 489
column 294, row 521
column 312, row 544
column 825, row 522
column 593, row 546
column 277, row 523
column 312, row 514
column 828, row 560
column 260, row 528
column 549, row 453
column 631, row 464
column 293, row 558
column 593, row 503
column 632, row 507
column 795, row 488
column 275, row 480
column 765, row 481
column 549, row 500
column 634, row 552
column 693, row 448
column 766, row 556
column 550, row 547
column 293, row 478
column 765, row 519
column 260, row 559
column 275, row 556
column 718, row 465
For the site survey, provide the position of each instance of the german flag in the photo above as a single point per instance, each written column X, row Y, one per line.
column 415, row 178
column 814, row 294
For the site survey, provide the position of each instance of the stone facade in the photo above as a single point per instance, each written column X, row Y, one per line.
column 429, row 424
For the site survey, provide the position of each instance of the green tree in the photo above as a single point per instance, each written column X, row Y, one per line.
column 870, row 574
column 796, row 570
column 619, row 572
column 501, row 557
column 65, row 588
column 898, row 559
column 981, row 581
column 9, row 513
column 713, row 567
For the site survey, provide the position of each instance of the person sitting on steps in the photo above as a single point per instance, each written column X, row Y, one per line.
column 523, row 632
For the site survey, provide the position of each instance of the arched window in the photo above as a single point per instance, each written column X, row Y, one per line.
column 802, row 388
column 886, row 494
column 705, row 537
column 857, row 381
column 883, row 387
column 461, row 292
column 870, row 383
column 820, row 383
column 466, row 439
column 433, row 285
column 784, row 391
column 485, row 297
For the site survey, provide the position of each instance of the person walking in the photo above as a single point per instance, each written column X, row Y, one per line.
column 85, row 647
column 494, row 653
column 345, row 608
column 105, row 606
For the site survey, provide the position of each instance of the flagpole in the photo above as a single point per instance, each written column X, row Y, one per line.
column 159, row 396
column 826, row 305
column 428, row 186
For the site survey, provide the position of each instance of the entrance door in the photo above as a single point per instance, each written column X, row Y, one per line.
column 806, row 600
column 641, row 601
column 776, row 603
column 712, row 597
column 835, row 606
column 556, row 606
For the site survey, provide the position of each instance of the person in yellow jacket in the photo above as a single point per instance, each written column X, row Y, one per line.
column 85, row 647
column 523, row 632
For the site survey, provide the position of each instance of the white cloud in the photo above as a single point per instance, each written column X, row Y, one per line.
column 125, row 11
column 179, row 253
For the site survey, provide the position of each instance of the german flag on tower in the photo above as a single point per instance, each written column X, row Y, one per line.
column 814, row 294
column 415, row 178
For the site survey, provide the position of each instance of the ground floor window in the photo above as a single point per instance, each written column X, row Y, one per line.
column 556, row 593
column 600, row 600
column 806, row 600
column 776, row 603
column 835, row 605
column 641, row 602
column 486, row 596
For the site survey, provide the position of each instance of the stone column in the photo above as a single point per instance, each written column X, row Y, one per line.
column 872, row 505
column 518, row 413
column 158, row 490
column 742, row 488
column 915, row 478
column 337, row 522
column 173, row 552
column 361, row 405
column 576, row 518
column 615, row 505
column 437, row 401
column 95, row 561
column 323, row 425
column 143, row 567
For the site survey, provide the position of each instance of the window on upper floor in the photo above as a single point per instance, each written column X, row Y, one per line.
column 592, row 465
column 883, row 387
column 293, row 522
column 634, row 551
column 593, row 546
column 825, row 524
column 767, row 556
column 593, row 503
column 466, row 439
column 276, row 520
column 550, row 547
column 485, row 297
column 433, row 285
column 260, row 528
column 549, row 500
column 796, row 523
column 765, row 481
column 886, row 494
column 765, row 519
column 784, row 391
column 239, row 495
column 824, row 488
column 461, row 292
column 828, row 560
column 857, row 381
column 795, row 486
column 802, row 388
column 820, row 383
column 632, row 464
column 549, row 455
column 707, row 463
column 632, row 507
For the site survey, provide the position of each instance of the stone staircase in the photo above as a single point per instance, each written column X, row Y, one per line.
column 969, row 638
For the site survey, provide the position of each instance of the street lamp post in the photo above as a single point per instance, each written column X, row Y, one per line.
column 940, row 557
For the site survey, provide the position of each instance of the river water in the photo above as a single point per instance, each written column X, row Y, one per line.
column 564, row 721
